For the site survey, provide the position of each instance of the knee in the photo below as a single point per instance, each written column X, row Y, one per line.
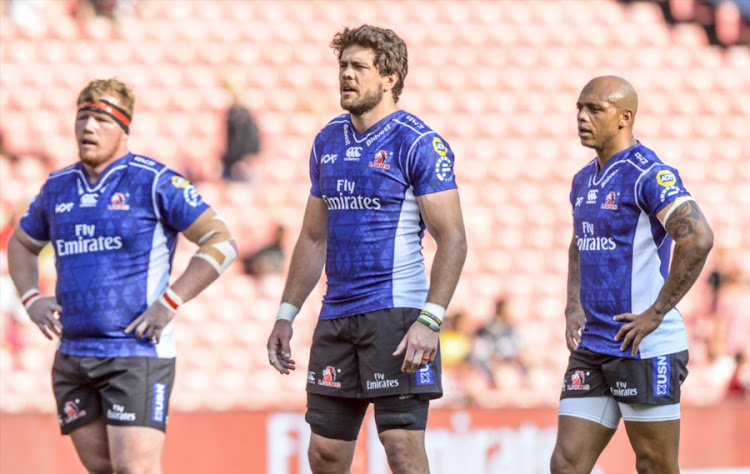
column 561, row 464
column 647, row 464
column 405, row 451
column 97, row 464
column 323, row 460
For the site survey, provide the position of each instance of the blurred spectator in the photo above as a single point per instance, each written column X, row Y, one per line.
column 496, row 343
column 30, row 15
column 243, row 138
column 85, row 10
column 730, row 321
column 455, row 340
column 269, row 259
column 739, row 384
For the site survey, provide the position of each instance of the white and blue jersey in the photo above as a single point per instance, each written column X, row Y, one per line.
column 114, row 241
column 370, row 183
column 624, row 249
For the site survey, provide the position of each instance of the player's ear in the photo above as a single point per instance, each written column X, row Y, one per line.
column 389, row 81
column 626, row 118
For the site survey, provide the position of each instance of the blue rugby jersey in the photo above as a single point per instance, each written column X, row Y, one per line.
column 114, row 241
column 369, row 183
column 623, row 248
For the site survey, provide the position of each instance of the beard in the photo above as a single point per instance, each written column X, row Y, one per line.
column 366, row 104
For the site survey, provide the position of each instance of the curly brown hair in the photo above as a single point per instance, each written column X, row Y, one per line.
column 390, row 50
column 98, row 87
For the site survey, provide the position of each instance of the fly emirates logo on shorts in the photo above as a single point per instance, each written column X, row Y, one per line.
column 87, row 241
column 347, row 199
column 590, row 241
column 381, row 382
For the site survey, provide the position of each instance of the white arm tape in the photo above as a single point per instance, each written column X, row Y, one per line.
column 675, row 204
column 227, row 250
column 435, row 309
column 287, row 311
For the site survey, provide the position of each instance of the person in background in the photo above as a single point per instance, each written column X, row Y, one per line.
column 113, row 219
column 627, row 341
column 380, row 177
column 242, row 140
column 496, row 343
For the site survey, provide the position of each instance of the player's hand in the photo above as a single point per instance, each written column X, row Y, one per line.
column 638, row 327
column 150, row 324
column 420, row 345
column 575, row 322
column 45, row 313
column 279, row 352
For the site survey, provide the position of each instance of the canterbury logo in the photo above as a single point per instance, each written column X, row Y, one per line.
column 354, row 152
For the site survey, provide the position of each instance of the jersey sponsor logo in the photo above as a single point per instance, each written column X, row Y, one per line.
column 591, row 196
column 444, row 169
column 621, row 389
column 117, row 412
column 329, row 158
column 579, row 201
column 439, row 146
column 578, row 381
column 381, row 382
column 160, row 402
column 424, row 375
column 144, row 161
column 609, row 177
column 379, row 134
column 63, row 207
column 188, row 190
column 87, row 242
column 590, row 241
column 329, row 377
column 72, row 412
column 351, row 201
column 379, row 160
column 641, row 158
column 353, row 153
column 666, row 178
column 414, row 122
column 118, row 202
column 88, row 200
column 662, row 376
column 311, row 377
column 609, row 201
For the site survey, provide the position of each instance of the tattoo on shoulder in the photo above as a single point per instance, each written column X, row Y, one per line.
column 684, row 220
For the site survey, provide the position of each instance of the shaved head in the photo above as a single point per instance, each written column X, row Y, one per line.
column 615, row 90
column 606, row 114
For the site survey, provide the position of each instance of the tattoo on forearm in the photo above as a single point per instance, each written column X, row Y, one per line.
column 684, row 220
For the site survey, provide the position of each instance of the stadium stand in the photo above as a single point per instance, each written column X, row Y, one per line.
column 498, row 79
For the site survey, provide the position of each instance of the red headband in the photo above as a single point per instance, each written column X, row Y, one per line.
column 118, row 114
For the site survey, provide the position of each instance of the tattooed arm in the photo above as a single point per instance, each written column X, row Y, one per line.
column 574, row 315
column 693, row 240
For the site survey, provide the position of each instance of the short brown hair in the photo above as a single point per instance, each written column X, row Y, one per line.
column 390, row 50
column 98, row 87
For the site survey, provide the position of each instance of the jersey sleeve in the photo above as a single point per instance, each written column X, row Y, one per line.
column 431, row 166
column 314, row 173
column 34, row 222
column 658, row 187
column 178, row 201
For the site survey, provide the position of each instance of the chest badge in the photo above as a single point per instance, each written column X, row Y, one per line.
column 379, row 161
column 609, row 201
column 119, row 202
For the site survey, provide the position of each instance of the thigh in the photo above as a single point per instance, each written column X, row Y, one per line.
column 92, row 446
column 579, row 444
column 335, row 417
column 135, row 448
column 656, row 445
